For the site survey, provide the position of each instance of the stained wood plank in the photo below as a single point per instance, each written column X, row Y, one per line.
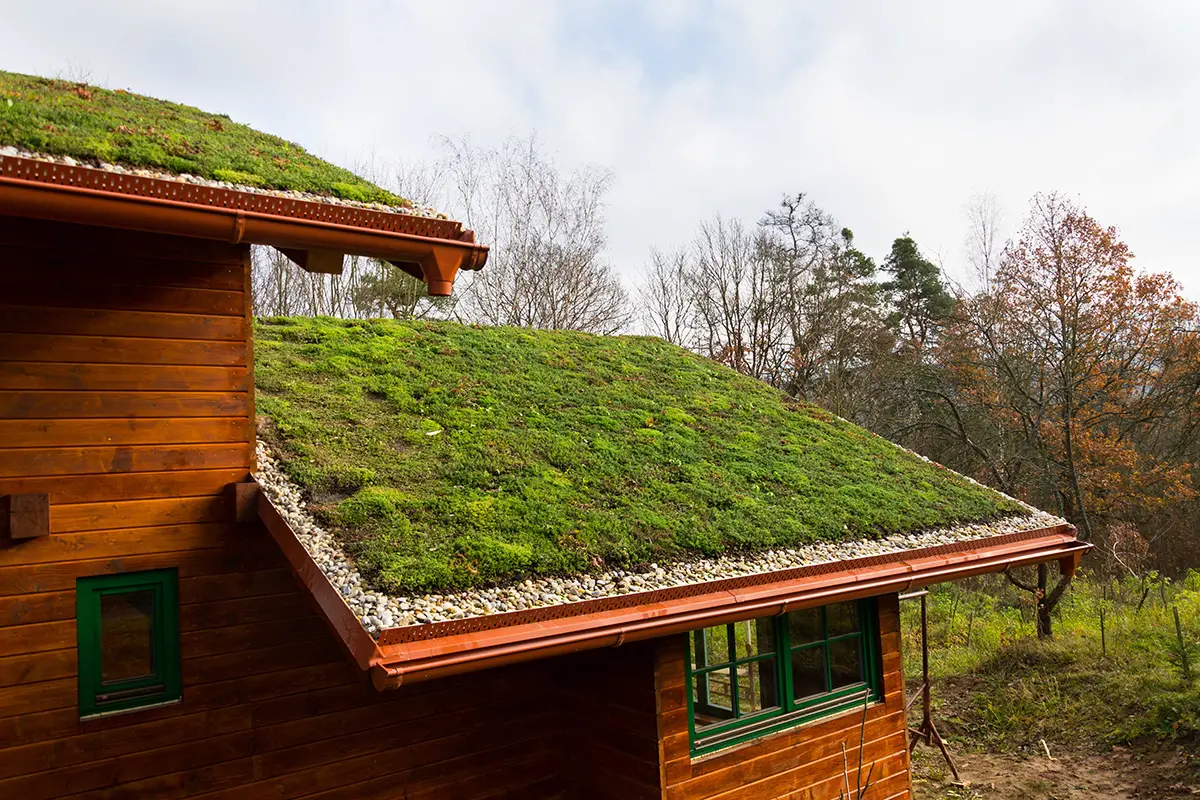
column 32, row 608
column 237, row 585
column 28, row 291
column 99, row 487
column 92, row 432
column 57, row 405
column 31, row 461
column 135, row 267
column 57, row 348
column 120, row 544
column 45, row 666
column 129, row 739
column 263, row 661
column 31, row 698
column 139, row 513
column 252, row 553
column 116, row 323
column 100, row 244
column 40, row 376
column 241, row 637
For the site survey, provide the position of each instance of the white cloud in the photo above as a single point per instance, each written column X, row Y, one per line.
column 890, row 115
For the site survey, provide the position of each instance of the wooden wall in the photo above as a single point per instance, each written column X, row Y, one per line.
column 804, row 763
column 125, row 371
column 610, row 721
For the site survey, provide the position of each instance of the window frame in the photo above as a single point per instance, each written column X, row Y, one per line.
column 164, row 685
column 789, row 712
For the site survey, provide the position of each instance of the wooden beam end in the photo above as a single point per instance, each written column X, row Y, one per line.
column 28, row 516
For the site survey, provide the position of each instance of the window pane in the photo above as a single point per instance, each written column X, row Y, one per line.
column 841, row 618
column 805, row 626
column 126, row 636
column 808, row 672
column 713, row 647
column 754, row 637
column 845, row 660
column 757, row 689
column 712, row 699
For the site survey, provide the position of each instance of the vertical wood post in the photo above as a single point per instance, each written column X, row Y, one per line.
column 1103, row 643
column 1183, row 655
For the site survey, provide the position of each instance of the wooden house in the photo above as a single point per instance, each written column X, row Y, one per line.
column 466, row 564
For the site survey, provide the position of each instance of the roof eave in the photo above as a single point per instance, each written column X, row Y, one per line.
column 417, row 661
column 563, row 629
column 435, row 260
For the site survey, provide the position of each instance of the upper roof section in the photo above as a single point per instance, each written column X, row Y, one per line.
column 142, row 135
column 78, row 153
column 449, row 457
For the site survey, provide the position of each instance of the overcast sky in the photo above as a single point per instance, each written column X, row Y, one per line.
column 890, row 115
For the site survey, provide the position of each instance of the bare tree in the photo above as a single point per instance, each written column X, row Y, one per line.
column 546, row 232
column 984, row 241
column 665, row 301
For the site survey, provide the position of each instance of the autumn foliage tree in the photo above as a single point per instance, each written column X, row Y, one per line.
column 1066, row 374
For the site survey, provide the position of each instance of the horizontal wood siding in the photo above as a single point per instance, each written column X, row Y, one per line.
column 804, row 763
column 609, row 722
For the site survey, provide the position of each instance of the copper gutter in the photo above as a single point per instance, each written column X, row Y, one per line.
column 651, row 614
column 417, row 661
column 436, row 260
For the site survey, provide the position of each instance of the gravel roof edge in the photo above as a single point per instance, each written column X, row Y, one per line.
column 378, row 611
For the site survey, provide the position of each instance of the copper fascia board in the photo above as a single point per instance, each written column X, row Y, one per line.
column 423, row 660
column 440, row 259
column 350, row 632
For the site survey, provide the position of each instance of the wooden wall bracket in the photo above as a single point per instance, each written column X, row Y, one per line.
column 27, row 516
column 244, row 499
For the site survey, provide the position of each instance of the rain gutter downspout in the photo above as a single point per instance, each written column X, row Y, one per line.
column 439, row 260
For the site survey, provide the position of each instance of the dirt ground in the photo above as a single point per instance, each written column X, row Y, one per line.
column 1123, row 774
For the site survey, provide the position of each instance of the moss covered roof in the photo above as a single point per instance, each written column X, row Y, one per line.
column 64, row 118
column 450, row 456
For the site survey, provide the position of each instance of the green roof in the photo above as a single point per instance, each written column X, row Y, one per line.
column 449, row 456
column 64, row 118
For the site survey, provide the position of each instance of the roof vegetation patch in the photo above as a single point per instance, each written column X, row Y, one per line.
column 448, row 456
column 64, row 118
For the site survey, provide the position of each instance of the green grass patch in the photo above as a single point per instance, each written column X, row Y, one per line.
column 451, row 456
column 86, row 122
column 1000, row 688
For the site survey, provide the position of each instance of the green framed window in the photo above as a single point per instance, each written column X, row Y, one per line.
column 760, row 675
column 128, row 632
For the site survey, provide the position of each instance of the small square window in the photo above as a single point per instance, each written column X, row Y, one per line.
column 128, row 632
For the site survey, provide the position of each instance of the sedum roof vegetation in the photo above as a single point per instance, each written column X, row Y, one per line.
column 65, row 118
column 448, row 456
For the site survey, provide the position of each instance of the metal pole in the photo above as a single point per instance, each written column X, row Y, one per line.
column 926, row 699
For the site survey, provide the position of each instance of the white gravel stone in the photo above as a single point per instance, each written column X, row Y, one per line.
column 377, row 610
column 414, row 210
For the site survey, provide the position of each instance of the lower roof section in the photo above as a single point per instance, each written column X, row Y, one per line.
column 423, row 652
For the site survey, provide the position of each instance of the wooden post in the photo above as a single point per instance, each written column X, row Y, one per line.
column 1103, row 643
column 927, row 731
column 1183, row 655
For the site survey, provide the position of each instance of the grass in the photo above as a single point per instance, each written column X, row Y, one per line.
column 85, row 122
column 1004, row 690
column 449, row 456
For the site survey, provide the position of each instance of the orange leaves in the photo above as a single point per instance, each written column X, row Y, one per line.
column 1080, row 366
